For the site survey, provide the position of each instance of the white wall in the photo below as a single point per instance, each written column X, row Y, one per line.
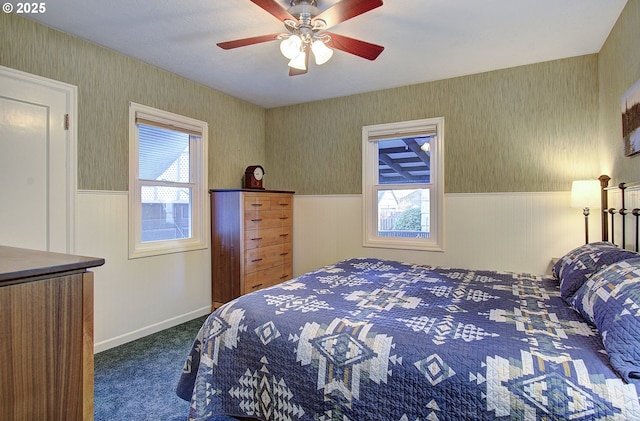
column 138, row 297
column 498, row 231
column 134, row 298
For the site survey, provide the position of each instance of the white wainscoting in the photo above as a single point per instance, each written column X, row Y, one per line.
column 498, row 231
column 137, row 297
column 134, row 298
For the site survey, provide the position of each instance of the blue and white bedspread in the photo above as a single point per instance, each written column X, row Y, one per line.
column 368, row 339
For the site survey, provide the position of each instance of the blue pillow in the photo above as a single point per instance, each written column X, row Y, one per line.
column 575, row 267
column 610, row 299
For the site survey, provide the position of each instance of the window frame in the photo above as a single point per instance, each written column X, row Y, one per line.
column 371, row 186
column 197, row 182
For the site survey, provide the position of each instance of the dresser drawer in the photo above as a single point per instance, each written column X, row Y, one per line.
column 256, row 202
column 283, row 205
column 267, row 219
column 281, row 202
column 272, row 202
column 278, row 274
column 287, row 253
column 264, row 237
column 285, row 217
column 265, row 257
column 271, row 276
column 255, row 281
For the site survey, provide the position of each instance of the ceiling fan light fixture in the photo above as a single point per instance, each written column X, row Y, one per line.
column 290, row 47
column 305, row 24
column 321, row 52
column 298, row 62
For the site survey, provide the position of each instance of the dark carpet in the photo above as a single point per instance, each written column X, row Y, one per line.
column 137, row 381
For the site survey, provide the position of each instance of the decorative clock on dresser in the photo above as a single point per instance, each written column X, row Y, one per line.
column 251, row 241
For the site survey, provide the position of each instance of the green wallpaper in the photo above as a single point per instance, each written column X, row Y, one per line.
column 529, row 128
column 619, row 63
column 107, row 81
column 524, row 129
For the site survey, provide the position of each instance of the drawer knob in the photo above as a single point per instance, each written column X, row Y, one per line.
column 284, row 217
column 256, row 286
column 284, row 276
column 283, row 254
column 257, row 239
column 256, row 260
column 256, row 220
column 256, row 204
column 284, row 235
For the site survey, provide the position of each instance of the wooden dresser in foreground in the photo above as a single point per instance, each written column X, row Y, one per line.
column 46, row 336
column 251, row 241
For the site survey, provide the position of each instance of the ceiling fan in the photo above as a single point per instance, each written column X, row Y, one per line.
column 307, row 32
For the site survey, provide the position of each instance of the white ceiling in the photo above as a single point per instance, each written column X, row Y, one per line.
column 424, row 40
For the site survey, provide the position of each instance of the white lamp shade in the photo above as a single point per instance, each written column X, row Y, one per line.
column 290, row 47
column 298, row 62
column 321, row 52
column 585, row 194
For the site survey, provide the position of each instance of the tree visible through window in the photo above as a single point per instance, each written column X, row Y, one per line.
column 404, row 212
column 402, row 184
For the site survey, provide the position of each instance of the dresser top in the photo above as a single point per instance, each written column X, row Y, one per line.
column 16, row 264
column 250, row 191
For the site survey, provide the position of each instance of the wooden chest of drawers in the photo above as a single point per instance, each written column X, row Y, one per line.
column 251, row 241
column 46, row 335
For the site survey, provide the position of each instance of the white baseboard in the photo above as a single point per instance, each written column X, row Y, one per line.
column 148, row 330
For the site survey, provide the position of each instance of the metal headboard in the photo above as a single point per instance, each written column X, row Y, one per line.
column 610, row 215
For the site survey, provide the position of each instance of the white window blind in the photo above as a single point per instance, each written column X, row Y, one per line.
column 167, row 189
column 403, row 185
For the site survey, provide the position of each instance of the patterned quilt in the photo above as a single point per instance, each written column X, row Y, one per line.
column 369, row 339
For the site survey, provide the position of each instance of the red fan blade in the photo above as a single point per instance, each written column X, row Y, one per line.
column 353, row 46
column 296, row 72
column 347, row 9
column 275, row 9
column 247, row 41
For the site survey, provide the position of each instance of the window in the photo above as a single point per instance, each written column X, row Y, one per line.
column 167, row 182
column 403, row 184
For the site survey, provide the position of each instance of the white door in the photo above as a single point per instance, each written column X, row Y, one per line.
column 37, row 162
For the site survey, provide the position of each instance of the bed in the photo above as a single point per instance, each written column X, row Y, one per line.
column 373, row 339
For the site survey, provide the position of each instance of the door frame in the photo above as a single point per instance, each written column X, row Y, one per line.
column 71, row 94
